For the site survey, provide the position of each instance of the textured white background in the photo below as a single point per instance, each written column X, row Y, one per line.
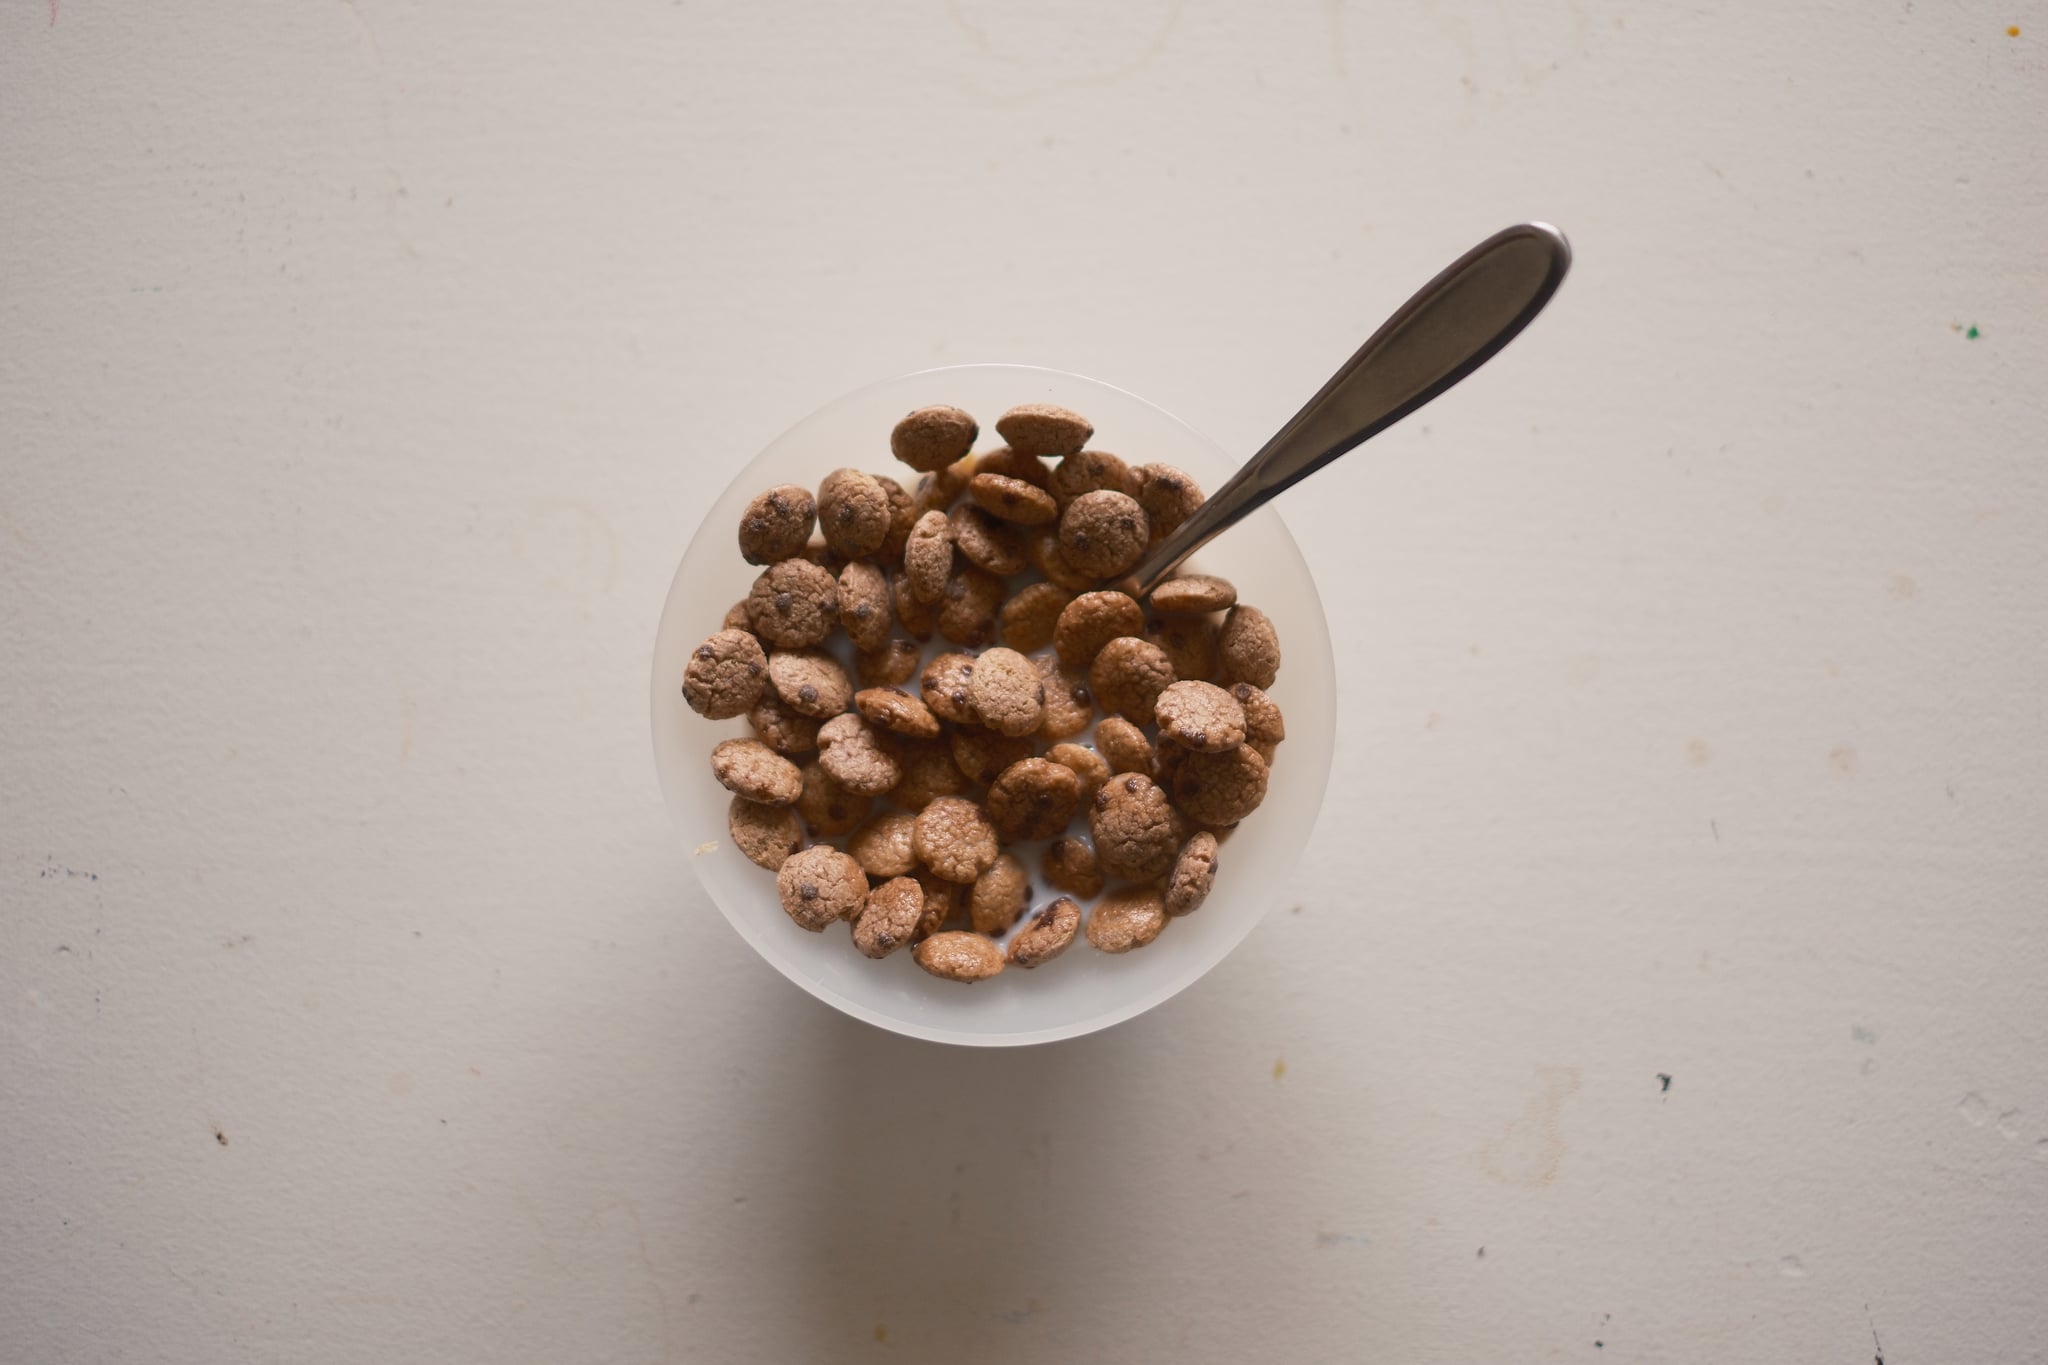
column 366, row 366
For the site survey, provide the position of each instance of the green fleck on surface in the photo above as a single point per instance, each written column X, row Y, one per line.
column 1973, row 333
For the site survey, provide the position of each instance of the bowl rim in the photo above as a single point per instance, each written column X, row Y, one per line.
column 1123, row 1010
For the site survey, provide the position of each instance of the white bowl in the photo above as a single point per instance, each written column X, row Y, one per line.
column 1083, row 990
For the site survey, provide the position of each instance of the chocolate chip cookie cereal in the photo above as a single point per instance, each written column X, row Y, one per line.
column 726, row 675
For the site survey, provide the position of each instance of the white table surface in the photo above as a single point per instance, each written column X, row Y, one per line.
column 367, row 365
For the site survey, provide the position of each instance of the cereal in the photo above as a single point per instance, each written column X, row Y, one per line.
column 1250, row 647
column 781, row 728
column 945, row 903
column 1171, row 757
column 766, row 835
column 1012, row 464
column 794, row 604
column 1033, row 798
column 1026, row 621
column 959, row 956
column 1069, row 864
column 917, row 617
column 827, row 808
column 1091, row 621
column 1104, row 533
column 1220, row 789
column 810, row 681
column 777, row 525
column 1047, row 936
column 944, row 687
column 1264, row 727
column 1124, row 746
column 1044, row 430
column 1084, row 763
column 954, row 839
column 1012, row 500
column 1127, row 677
column 1069, row 705
column 998, row 896
column 967, row 616
column 821, row 885
column 1006, row 693
column 1201, row 716
column 1136, row 832
column 896, row 711
column 1087, row 472
column 883, row 846
column 928, row 557
column 755, row 771
column 1189, row 642
column 736, row 618
column 726, row 675
column 983, row 754
column 995, row 545
column 934, row 437
column 1193, row 594
column 1126, row 919
column 853, row 513
column 852, row 755
column 939, row 488
column 929, row 772
column 1042, row 548
column 824, row 556
column 890, row 917
column 1168, row 496
column 902, row 516
column 1194, row 873
column 864, row 605
column 895, row 662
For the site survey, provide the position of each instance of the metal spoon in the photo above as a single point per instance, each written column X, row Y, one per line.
column 1451, row 327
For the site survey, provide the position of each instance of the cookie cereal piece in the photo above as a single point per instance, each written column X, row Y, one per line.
column 1127, row 677
column 959, row 956
column 786, row 731
column 1249, row 647
column 883, row 846
column 1168, row 496
column 1193, row 874
column 945, row 905
column 777, row 524
column 810, row 681
column 824, row 556
column 1219, row 790
column 864, row 604
column 853, row 513
column 967, row 616
column 1190, row 644
column 1091, row 621
column 1014, row 464
column 1005, row 692
column 1012, row 500
column 1048, row 934
column 894, row 710
column 1194, row 594
column 894, row 663
column 933, row 437
column 1069, row 705
column 1033, row 798
column 998, row 896
column 826, row 807
column 929, row 772
column 917, row 617
column 1264, row 726
column 1026, row 621
column 936, row 490
column 928, row 557
column 1044, row 430
column 983, row 754
column 766, row 835
column 1042, row 548
column 1136, row 832
column 852, row 755
column 944, row 687
column 1126, row 919
column 736, row 618
column 995, row 545
column 1201, row 716
column 889, row 919
column 954, row 839
column 726, row 675
column 1085, row 763
column 902, row 515
column 1104, row 533
column 1125, row 747
column 755, row 771
column 794, row 604
column 820, row 885
column 1069, row 864
column 1088, row 471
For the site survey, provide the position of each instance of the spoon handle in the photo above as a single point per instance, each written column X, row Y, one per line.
column 1451, row 327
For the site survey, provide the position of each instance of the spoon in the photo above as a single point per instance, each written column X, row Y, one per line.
column 1451, row 327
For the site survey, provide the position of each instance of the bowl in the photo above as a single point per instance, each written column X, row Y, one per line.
column 1084, row 989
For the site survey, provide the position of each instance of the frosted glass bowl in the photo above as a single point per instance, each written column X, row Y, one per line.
column 1083, row 990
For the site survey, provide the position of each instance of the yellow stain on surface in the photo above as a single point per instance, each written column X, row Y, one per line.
column 882, row 1333
column 2013, row 32
column 1279, row 1067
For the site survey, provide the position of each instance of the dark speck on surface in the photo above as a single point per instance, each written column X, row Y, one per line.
column 1663, row 1083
